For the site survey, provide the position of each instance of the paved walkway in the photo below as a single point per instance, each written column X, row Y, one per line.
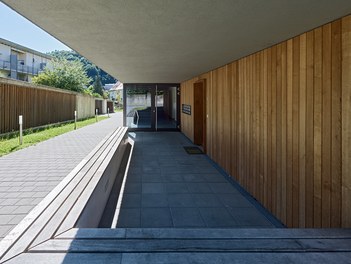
column 28, row 175
column 166, row 187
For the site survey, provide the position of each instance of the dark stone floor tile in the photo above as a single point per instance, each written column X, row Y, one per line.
column 156, row 217
column 129, row 217
column 217, row 217
column 154, row 200
column 176, row 187
column 206, row 200
column 234, row 200
column 153, row 187
column 198, row 187
column 131, row 200
column 249, row 217
column 181, row 200
column 187, row 217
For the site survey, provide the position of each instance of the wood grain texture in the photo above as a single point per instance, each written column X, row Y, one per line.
column 281, row 126
column 317, row 121
column 335, row 173
column 309, row 179
column 38, row 106
column 198, row 113
column 346, row 121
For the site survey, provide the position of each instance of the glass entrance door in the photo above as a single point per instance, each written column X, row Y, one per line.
column 139, row 106
column 151, row 107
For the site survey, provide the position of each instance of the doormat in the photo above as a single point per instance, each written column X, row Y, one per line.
column 193, row 150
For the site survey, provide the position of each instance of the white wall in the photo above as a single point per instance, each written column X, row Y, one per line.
column 5, row 52
column 4, row 74
column 104, row 106
column 85, row 106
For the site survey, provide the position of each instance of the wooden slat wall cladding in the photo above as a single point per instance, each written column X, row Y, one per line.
column 279, row 122
column 38, row 106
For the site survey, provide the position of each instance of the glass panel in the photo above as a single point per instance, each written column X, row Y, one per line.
column 166, row 103
column 138, row 106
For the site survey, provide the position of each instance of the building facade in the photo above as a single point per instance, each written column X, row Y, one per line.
column 19, row 62
column 265, row 88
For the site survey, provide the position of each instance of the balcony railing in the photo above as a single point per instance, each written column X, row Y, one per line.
column 6, row 65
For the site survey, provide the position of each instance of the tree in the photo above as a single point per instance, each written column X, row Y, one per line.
column 64, row 74
column 91, row 69
column 97, row 86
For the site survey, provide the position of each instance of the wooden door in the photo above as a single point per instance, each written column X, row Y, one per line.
column 200, row 113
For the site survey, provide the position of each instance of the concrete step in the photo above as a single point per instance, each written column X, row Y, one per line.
column 171, row 245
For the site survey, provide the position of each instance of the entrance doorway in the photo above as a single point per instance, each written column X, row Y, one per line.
column 151, row 107
column 200, row 113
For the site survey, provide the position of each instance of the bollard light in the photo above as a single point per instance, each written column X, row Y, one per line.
column 75, row 120
column 20, row 122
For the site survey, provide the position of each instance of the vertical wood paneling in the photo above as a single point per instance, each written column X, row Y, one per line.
column 265, row 125
column 227, row 133
column 269, row 131
column 234, row 119
column 295, row 132
column 326, row 124
column 280, row 125
column 283, row 190
column 289, row 141
column 346, row 122
column 302, row 132
column 38, row 106
column 317, row 187
column 273, row 128
column 335, row 173
column 261, row 130
column 240, row 123
column 309, row 144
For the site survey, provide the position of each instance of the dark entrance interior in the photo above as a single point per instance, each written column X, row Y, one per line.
column 151, row 107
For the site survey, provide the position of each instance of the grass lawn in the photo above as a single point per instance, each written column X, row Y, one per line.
column 8, row 145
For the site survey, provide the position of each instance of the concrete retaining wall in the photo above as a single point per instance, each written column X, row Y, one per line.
column 85, row 106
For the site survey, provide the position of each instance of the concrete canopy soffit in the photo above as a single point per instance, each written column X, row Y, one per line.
column 168, row 41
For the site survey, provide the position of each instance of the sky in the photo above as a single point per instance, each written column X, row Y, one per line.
column 17, row 29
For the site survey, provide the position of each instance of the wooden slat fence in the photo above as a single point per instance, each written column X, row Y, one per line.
column 38, row 105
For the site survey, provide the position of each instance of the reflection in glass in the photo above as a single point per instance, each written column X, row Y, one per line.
column 138, row 107
column 166, row 105
column 151, row 106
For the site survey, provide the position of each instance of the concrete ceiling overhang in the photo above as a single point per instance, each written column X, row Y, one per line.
column 169, row 41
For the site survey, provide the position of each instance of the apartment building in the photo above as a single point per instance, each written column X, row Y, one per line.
column 19, row 62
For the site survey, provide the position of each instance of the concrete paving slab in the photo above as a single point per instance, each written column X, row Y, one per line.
column 28, row 175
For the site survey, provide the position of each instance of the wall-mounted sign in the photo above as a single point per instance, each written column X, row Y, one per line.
column 186, row 109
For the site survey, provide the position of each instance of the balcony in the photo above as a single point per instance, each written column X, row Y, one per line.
column 21, row 68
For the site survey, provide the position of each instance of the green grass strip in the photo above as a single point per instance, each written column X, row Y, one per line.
column 8, row 145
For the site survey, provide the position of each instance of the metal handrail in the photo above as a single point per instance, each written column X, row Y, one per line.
column 136, row 111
